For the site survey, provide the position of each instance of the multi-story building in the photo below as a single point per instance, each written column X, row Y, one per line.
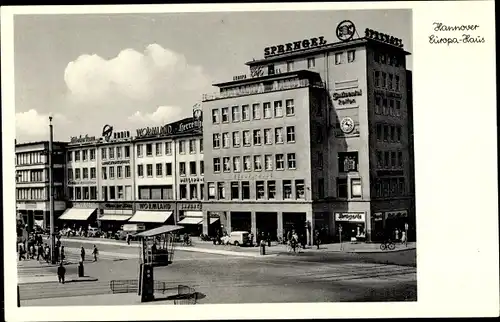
column 316, row 138
column 32, row 182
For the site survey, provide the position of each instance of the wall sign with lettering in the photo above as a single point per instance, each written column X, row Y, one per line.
column 82, row 139
column 118, row 206
column 114, row 162
column 81, row 182
column 346, row 97
column 192, row 180
column 239, row 77
column 372, row 34
column 243, row 176
column 396, row 214
column 350, row 216
column 88, row 205
column 187, row 125
column 190, row 206
column 294, row 46
column 154, row 206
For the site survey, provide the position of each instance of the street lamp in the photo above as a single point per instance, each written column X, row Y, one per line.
column 51, row 193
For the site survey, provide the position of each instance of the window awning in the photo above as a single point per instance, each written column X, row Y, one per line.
column 151, row 216
column 197, row 214
column 115, row 217
column 212, row 220
column 191, row 221
column 77, row 213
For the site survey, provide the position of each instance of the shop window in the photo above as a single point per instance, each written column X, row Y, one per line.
column 245, row 190
column 112, row 194
column 259, row 189
column 321, row 188
column 225, row 115
column 192, row 168
column 193, row 191
column 245, row 111
column 139, row 150
column 236, row 164
column 292, row 162
column 168, row 192
column 300, row 189
column 215, row 116
column 149, row 169
column 348, row 161
column 280, row 162
column 221, row 191
column 183, row 191
column 247, row 163
column 267, row 110
column 356, row 191
column 168, row 148
column 342, row 191
column 278, row 135
column 235, row 190
column 182, row 147
column 226, row 164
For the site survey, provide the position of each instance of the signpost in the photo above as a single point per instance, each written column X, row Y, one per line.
column 340, row 237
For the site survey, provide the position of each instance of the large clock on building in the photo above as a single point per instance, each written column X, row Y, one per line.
column 347, row 125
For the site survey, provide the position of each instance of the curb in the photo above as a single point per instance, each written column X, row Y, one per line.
column 222, row 252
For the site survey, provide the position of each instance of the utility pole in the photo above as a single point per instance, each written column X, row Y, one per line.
column 51, row 194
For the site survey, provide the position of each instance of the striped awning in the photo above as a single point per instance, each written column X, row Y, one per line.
column 77, row 213
column 114, row 217
column 151, row 216
column 191, row 221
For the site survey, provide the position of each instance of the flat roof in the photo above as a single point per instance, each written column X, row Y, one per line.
column 246, row 81
column 40, row 142
column 327, row 47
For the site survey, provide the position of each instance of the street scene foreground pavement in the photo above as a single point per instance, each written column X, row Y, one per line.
column 224, row 274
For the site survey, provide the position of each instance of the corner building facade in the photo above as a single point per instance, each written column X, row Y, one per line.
column 327, row 144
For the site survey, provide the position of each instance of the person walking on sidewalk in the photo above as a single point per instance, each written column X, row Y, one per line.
column 61, row 271
column 318, row 241
column 268, row 239
column 95, row 252
column 82, row 254
column 47, row 253
column 21, row 252
column 128, row 239
column 39, row 252
column 62, row 254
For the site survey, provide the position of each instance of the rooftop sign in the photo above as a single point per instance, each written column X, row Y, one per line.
column 294, row 46
column 82, row 139
column 185, row 126
column 369, row 33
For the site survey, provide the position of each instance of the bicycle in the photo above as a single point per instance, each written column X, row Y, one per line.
column 388, row 245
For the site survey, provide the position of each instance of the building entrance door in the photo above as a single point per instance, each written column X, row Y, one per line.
column 267, row 222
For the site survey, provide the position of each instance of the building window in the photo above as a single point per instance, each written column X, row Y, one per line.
column 268, row 160
column 386, row 159
column 235, row 113
column 183, row 191
column 377, row 78
column 92, row 154
column 351, row 56
column 378, row 130
column 401, row 184
column 149, row 170
column 127, row 152
column 278, row 109
column 193, row 191
column 192, row 168
column 287, row 189
column 290, row 107
column 319, row 160
column 235, row 190
column 158, row 148
column 149, row 149
column 389, row 82
column 391, row 107
column 85, row 155
column 119, row 152
column 119, row 190
column 245, row 111
column 247, row 163
column 339, row 58
column 259, row 189
column 267, row 110
column 356, row 191
column 289, row 66
column 216, row 140
column 236, row 139
column 342, row 188
column 397, row 88
column 245, row 190
column 280, row 162
column 70, row 156
column 398, row 134
column 139, row 150
column 111, row 152
column 300, row 189
column 292, row 163
column 382, row 58
column 257, row 163
column 384, row 79
column 140, row 170
column 86, row 194
column 201, row 145
column 378, row 104
column 385, row 108
column 278, row 135
column 311, row 62
column 168, row 169
column 221, row 190
column 398, row 107
column 393, row 133
column 380, row 159
column 202, row 191
column 236, row 164
column 70, row 174
column 77, row 174
column 268, row 136
column 386, row 132
column 93, row 193
column 119, row 172
column 246, row 138
column 104, row 173
column 159, row 169
column 127, row 171
column 257, row 140
column 225, row 140
column 400, row 159
column 215, row 116
column 393, row 159
column 321, row 188
column 85, row 174
column 192, row 146
column 168, row 148
column 226, row 164
column 111, row 172
column 271, row 189
column 211, row 190
column 225, row 115
column 348, row 161
column 290, row 134
column 216, row 164
column 182, row 168
column 182, row 147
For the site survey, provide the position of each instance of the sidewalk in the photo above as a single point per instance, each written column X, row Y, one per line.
column 91, row 300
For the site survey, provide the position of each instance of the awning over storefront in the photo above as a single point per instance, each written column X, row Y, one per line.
column 191, row 221
column 77, row 213
column 196, row 214
column 151, row 216
column 212, row 220
column 113, row 217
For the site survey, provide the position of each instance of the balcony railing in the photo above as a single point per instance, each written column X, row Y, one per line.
column 261, row 88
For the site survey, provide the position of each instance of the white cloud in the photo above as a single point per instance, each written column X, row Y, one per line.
column 162, row 115
column 32, row 125
column 141, row 76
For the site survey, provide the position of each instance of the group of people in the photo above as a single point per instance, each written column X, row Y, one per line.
column 35, row 246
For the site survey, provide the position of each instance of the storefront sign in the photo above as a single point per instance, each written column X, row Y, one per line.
column 294, row 46
column 216, row 214
column 369, row 33
column 190, row 206
column 243, row 176
column 345, row 30
column 350, row 216
column 377, row 216
column 81, row 182
column 180, row 127
column 88, row 205
column 347, row 97
column 396, row 214
column 118, row 206
column 82, row 139
column 154, row 206
column 114, row 162
column 239, row 77
column 192, row 180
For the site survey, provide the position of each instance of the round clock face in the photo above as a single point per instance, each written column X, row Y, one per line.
column 347, row 125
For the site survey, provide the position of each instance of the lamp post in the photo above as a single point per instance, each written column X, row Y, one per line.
column 51, row 193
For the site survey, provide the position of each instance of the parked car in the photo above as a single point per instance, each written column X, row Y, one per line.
column 239, row 238
column 93, row 232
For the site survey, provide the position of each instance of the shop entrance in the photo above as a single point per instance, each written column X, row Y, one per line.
column 351, row 230
column 294, row 221
column 241, row 221
column 267, row 223
column 323, row 223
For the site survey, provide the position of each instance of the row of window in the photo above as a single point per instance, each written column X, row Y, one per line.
column 24, row 158
column 343, row 191
column 388, row 133
column 389, row 159
column 387, row 81
column 82, row 174
column 121, row 172
column 168, row 169
column 262, row 190
column 387, row 59
column 82, row 193
column 390, row 187
column 158, row 148
column 254, row 136
column 89, row 154
column 340, row 58
column 387, row 106
column 38, row 193
column 256, row 114
column 268, row 163
column 30, row 176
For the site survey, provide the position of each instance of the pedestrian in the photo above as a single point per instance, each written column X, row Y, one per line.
column 47, row 253
column 62, row 254
column 61, row 271
column 289, row 236
column 21, row 252
column 82, row 254
column 95, row 252
column 251, row 239
column 317, row 239
column 128, row 239
column 32, row 251
column 268, row 239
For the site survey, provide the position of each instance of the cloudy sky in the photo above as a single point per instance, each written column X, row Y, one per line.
column 135, row 70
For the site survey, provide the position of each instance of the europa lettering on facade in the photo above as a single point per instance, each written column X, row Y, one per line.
column 180, row 127
column 294, row 46
column 369, row 33
column 82, row 139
